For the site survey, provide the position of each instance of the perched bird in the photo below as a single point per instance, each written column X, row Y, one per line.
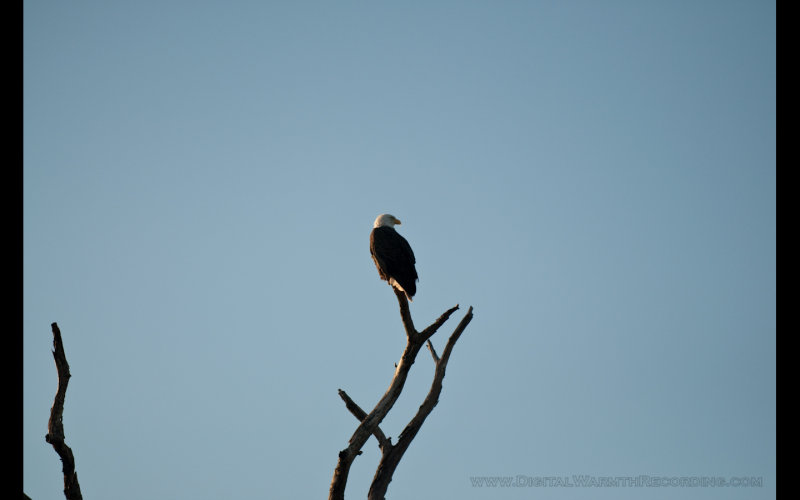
column 393, row 255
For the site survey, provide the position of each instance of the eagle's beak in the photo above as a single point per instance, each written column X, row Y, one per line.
column 397, row 221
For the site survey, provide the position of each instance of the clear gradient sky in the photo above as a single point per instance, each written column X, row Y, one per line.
column 596, row 178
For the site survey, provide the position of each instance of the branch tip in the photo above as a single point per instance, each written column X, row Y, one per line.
column 433, row 352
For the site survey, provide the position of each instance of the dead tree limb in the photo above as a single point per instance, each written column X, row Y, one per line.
column 391, row 456
column 383, row 441
column 370, row 422
column 55, row 427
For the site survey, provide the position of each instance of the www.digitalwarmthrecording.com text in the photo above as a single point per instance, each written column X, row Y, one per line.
column 640, row 481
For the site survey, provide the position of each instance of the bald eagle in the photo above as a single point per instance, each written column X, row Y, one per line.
column 393, row 255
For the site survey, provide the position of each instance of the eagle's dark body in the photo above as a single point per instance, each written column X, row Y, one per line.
column 393, row 257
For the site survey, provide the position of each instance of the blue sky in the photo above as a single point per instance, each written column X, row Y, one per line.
column 596, row 178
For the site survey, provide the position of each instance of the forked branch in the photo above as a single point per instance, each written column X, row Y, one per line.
column 360, row 414
column 391, row 454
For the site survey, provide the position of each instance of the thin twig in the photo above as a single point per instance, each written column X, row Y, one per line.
column 428, row 332
column 433, row 352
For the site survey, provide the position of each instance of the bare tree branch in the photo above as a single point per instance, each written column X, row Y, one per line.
column 360, row 414
column 433, row 352
column 405, row 313
column 369, row 423
column 428, row 332
column 55, row 427
column 391, row 457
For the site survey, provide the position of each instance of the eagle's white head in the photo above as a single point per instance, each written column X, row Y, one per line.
column 386, row 220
